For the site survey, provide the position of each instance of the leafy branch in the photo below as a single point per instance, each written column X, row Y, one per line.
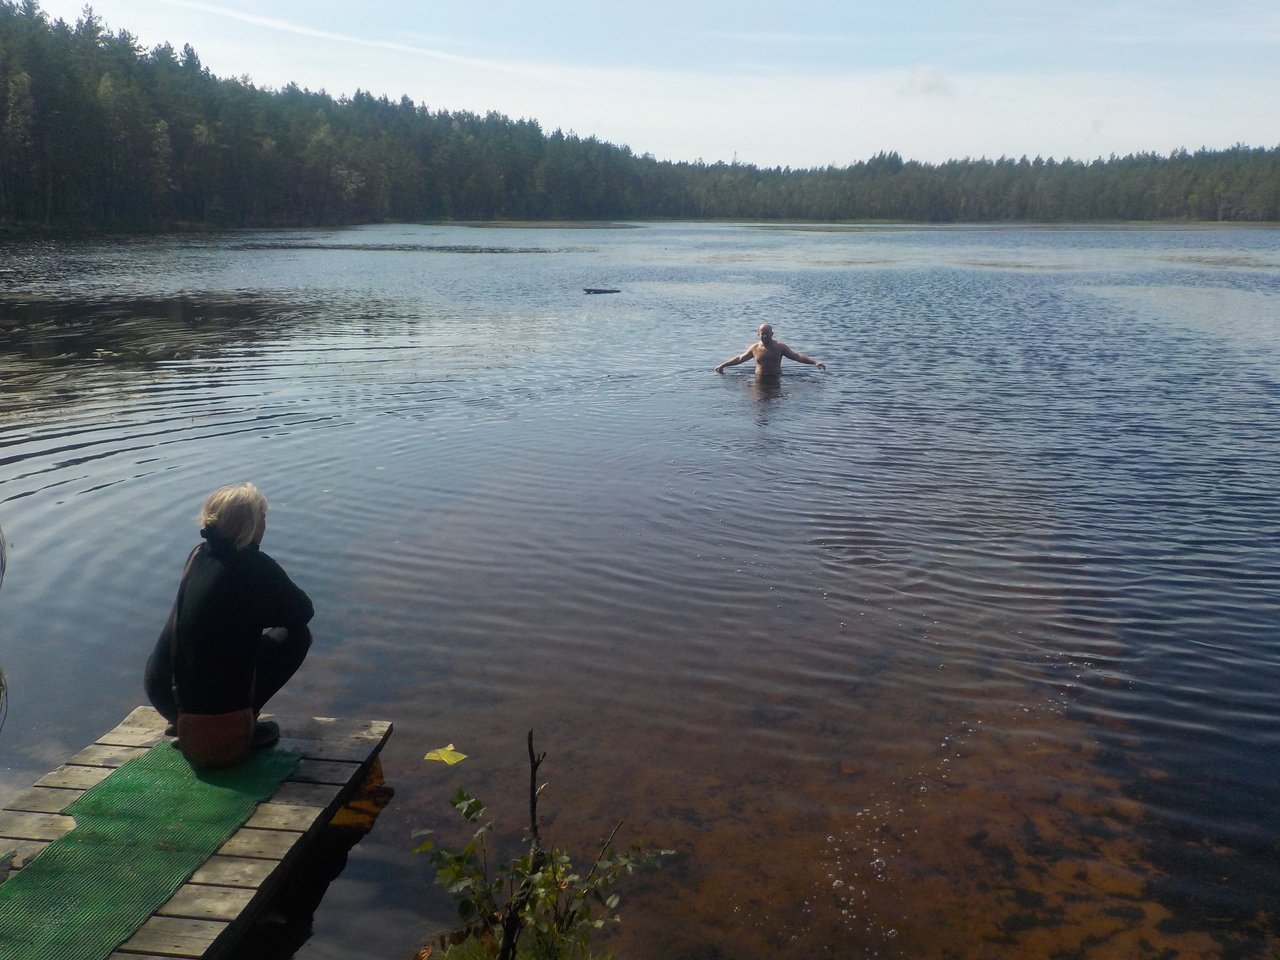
column 537, row 907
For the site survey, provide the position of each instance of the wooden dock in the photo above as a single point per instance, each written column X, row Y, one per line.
column 216, row 905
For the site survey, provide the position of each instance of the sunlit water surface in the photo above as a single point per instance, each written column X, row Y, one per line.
column 967, row 647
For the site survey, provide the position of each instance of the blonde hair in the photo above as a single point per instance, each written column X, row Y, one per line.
column 234, row 512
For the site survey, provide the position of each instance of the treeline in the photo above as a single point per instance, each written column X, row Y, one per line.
column 97, row 133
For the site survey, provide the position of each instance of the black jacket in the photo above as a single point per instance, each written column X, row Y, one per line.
column 228, row 597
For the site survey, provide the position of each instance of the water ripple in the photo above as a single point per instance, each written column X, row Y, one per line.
column 988, row 606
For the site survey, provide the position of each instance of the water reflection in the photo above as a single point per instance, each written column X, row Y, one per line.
column 394, row 247
column 55, row 348
column 65, row 331
column 765, row 388
column 765, row 391
column 994, row 677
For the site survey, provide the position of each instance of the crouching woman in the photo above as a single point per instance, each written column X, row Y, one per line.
column 236, row 634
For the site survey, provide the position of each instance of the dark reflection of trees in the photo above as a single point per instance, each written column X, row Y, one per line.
column 284, row 923
column 394, row 247
column 132, row 331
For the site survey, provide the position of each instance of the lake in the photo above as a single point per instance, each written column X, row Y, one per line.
column 964, row 647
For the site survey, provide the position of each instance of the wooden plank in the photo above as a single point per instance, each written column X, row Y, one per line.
column 24, row 851
column 101, row 755
column 330, row 728
column 263, row 844
column 141, row 728
column 234, row 872
column 284, row 816
column 173, row 937
column 340, row 772
column 44, row 800
column 145, row 717
column 351, row 751
column 33, row 826
column 196, row 902
column 74, row 778
column 131, row 737
column 320, row 795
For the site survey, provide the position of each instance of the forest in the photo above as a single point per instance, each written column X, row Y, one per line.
column 98, row 134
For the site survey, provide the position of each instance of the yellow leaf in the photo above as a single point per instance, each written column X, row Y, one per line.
column 446, row 755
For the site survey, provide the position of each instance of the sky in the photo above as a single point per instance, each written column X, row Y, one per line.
column 791, row 83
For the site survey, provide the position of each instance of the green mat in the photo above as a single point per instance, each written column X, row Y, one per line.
column 139, row 835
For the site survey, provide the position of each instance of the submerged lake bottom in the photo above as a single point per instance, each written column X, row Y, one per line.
column 964, row 647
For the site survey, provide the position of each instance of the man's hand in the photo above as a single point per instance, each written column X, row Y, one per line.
column 820, row 365
column 720, row 368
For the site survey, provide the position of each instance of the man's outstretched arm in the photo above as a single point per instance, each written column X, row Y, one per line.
column 734, row 361
column 802, row 358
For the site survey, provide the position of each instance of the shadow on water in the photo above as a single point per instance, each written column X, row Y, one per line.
column 285, row 923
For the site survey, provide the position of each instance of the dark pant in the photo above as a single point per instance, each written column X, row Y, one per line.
column 276, row 662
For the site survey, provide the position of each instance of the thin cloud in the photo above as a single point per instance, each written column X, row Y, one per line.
column 792, row 39
column 926, row 82
column 284, row 26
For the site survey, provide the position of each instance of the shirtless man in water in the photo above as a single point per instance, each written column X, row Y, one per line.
column 768, row 354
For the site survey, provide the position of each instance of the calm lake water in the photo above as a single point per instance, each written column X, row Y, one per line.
column 966, row 647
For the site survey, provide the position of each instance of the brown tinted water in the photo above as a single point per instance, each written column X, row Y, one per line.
column 964, row 647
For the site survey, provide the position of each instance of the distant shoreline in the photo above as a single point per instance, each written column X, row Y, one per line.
column 26, row 231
